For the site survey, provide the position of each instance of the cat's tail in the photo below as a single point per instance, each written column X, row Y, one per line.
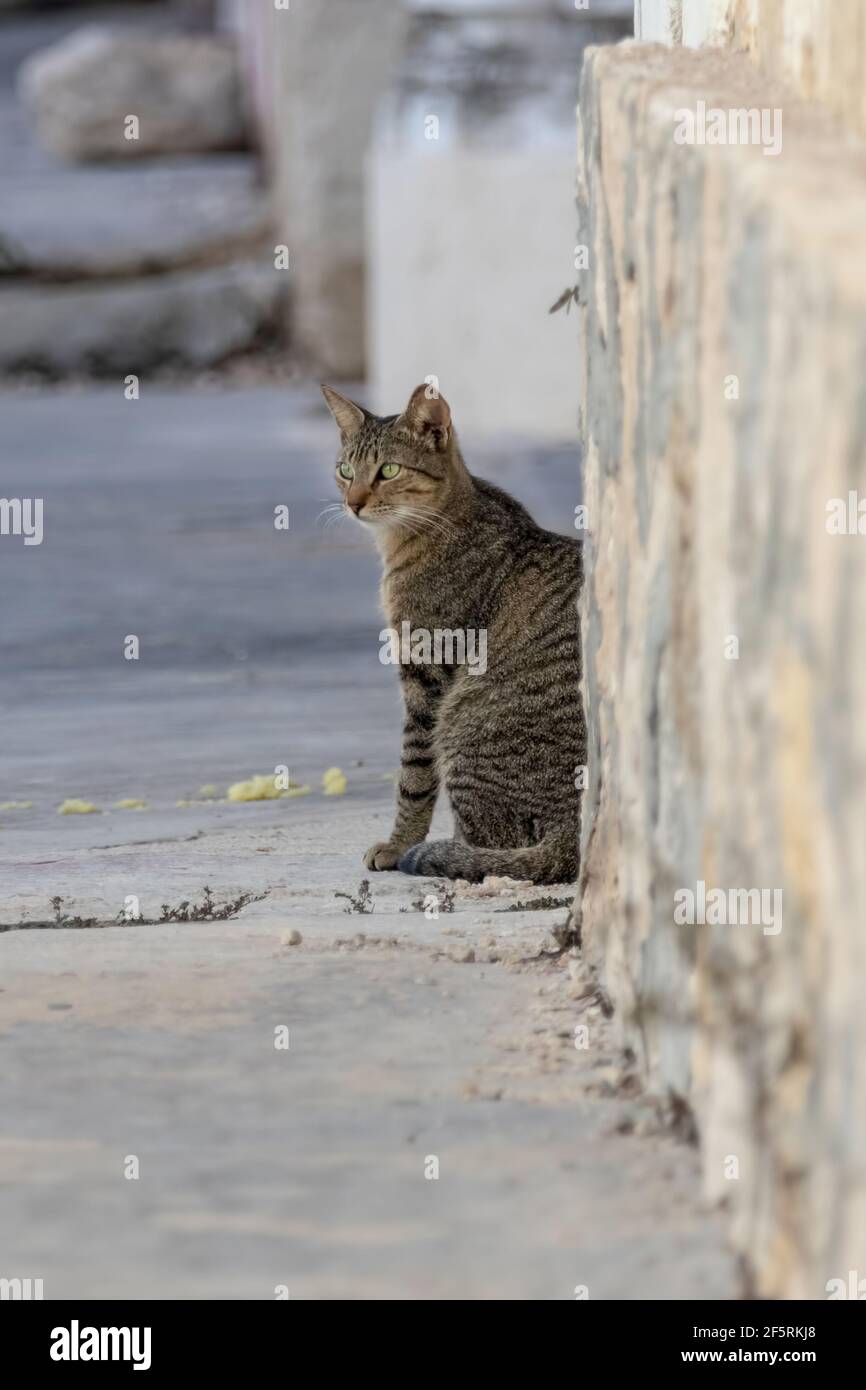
column 555, row 859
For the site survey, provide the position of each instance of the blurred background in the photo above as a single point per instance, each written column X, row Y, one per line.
column 358, row 190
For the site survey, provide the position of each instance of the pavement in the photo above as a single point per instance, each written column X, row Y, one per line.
column 397, row 1105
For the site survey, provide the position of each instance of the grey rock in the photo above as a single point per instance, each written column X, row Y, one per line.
column 184, row 91
column 194, row 318
column 100, row 220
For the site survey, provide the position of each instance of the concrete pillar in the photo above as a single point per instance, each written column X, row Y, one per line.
column 330, row 64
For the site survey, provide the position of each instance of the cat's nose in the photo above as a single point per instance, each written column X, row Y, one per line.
column 357, row 498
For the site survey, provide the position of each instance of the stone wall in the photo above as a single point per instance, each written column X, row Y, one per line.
column 818, row 46
column 724, row 626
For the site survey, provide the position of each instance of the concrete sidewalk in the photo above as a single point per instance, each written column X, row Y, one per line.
column 411, row 1039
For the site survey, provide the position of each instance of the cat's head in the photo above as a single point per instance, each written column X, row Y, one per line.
column 397, row 469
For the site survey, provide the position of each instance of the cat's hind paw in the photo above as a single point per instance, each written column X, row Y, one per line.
column 444, row 859
column 426, row 859
column 410, row 859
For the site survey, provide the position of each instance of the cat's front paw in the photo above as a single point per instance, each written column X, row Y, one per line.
column 384, row 855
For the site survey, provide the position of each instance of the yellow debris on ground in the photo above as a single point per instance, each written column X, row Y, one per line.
column 74, row 806
column 15, row 805
column 130, row 803
column 208, row 792
column 264, row 789
column 334, row 782
column 254, row 789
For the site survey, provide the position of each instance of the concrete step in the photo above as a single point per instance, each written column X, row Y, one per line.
column 67, row 223
column 194, row 318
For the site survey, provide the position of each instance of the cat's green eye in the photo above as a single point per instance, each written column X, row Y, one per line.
column 347, row 471
column 389, row 470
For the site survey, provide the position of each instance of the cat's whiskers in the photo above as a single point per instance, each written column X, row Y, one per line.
column 427, row 520
column 331, row 513
column 433, row 513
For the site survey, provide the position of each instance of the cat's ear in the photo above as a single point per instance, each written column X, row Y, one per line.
column 349, row 417
column 428, row 417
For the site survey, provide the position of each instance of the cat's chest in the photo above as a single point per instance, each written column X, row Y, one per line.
column 414, row 598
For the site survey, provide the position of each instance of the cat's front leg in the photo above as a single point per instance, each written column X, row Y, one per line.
column 419, row 777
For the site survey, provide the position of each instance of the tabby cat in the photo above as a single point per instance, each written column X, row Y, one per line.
column 505, row 742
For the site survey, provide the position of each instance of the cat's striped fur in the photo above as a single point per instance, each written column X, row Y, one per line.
column 461, row 553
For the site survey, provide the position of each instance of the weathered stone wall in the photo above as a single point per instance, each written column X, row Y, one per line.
column 818, row 46
column 724, row 315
